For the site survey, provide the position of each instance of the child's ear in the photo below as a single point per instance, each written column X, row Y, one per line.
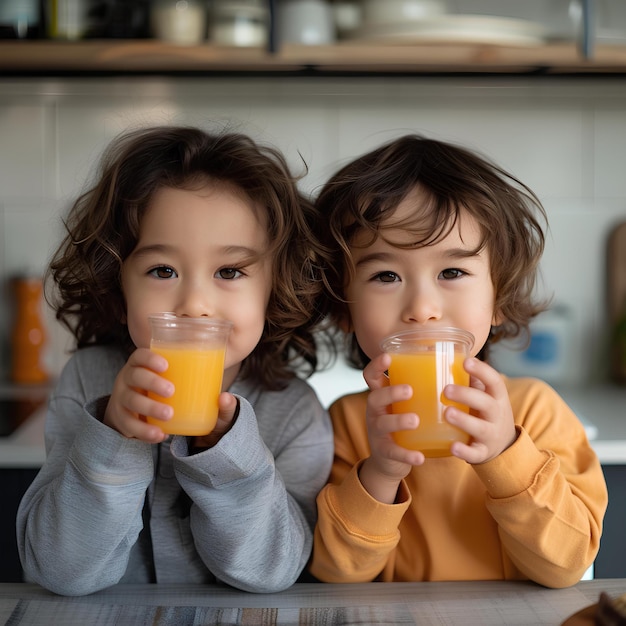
column 498, row 318
column 344, row 322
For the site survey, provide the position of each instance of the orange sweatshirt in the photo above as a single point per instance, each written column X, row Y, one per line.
column 534, row 512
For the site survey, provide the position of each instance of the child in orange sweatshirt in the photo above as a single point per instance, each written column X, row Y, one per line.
column 426, row 234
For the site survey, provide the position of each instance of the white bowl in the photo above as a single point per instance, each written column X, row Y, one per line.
column 376, row 12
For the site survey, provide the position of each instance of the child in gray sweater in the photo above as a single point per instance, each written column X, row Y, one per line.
column 197, row 224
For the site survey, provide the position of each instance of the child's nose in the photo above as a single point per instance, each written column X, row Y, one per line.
column 422, row 305
column 197, row 302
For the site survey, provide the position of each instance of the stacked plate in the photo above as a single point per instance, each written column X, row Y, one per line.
column 426, row 21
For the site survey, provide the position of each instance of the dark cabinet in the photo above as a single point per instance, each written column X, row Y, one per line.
column 14, row 483
column 611, row 560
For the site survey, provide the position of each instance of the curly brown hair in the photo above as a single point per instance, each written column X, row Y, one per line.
column 363, row 195
column 103, row 229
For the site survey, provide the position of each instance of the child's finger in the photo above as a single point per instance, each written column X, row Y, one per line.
column 394, row 422
column 228, row 407
column 474, row 453
column 375, row 373
column 132, row 426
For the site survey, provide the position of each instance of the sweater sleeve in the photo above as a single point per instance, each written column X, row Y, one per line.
column 79, row 519
column 347, row 551
column 356, row 535
column 547, row 492
column 253, row 507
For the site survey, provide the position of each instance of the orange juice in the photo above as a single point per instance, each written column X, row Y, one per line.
column 197, row 376
column 428, row 364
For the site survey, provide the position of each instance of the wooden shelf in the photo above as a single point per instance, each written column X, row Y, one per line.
column 155, row 57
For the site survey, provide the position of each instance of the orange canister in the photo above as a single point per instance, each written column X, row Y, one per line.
column 29, row 335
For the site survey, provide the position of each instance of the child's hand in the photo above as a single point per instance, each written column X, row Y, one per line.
column 129, row 403
column 388, row 462
column 228, row 411
column 490, row 423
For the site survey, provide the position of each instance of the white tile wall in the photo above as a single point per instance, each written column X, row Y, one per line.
column 22, row 139
column 566, row 138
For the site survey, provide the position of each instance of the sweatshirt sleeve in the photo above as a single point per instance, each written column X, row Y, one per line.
column 345, row 551
column 79, row 519
column 253, row 507
column 547, row 491
column 356, row 535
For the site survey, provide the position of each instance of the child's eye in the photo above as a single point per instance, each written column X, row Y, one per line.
column 163, row 272
column 228, row 273
column 452, row 272
column 386, row 277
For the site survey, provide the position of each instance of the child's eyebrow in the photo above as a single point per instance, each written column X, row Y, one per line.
column 372, row 257
column 151, row 249
column 463, row 253
column 244, row 251
column 452, row 253
column 161, row 248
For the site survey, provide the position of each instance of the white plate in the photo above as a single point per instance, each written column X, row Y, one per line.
column 480, row 29
column 611, row 37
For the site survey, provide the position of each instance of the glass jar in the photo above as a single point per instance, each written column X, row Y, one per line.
column 305, row 22
column 181, row 22
column 19, row 19
column 239, row 23
column 68, row 19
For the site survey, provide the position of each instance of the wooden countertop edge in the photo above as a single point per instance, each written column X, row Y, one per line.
column 153, row 56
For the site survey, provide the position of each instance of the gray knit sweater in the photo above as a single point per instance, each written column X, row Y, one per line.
column 105, row 509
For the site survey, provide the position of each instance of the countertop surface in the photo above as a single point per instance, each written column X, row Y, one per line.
column 25, row 446
column 602, row 408
column 316, row 604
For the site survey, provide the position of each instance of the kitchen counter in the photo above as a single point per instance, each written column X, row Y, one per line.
column 25, row 446
column 601, row 408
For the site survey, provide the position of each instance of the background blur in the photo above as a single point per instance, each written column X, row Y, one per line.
column 563, row 136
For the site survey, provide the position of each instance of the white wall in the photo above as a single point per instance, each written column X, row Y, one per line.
column 566, row 138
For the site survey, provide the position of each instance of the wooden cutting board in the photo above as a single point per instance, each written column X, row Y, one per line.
column 616, row 272
column 616, row 297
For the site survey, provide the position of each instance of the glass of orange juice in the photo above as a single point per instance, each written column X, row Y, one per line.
column 195, row 348
column 428, row 360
